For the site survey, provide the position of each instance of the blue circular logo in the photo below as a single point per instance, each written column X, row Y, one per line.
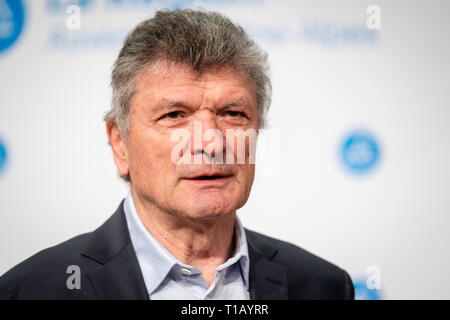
column 362, row 292
column 2, row 155
column 360, row 152
column 12, row 18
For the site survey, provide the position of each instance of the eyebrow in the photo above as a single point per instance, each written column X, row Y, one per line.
column 168, row 103
column 237, row 103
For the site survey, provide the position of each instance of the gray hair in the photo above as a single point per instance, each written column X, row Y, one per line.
column 200, row 39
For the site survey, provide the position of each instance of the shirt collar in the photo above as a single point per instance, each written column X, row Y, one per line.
column 156, row 262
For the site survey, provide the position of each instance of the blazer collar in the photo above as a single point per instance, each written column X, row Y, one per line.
column 268, row 279
column 118, row 275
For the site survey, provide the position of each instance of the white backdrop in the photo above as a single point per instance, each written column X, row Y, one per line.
column 332, row 77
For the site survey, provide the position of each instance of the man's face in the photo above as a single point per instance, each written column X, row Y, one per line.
column 171, row 97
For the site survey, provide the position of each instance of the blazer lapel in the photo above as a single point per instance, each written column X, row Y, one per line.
column 118, row 275
column 268, row 279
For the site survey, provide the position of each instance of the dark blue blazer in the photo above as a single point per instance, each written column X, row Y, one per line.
column 109, row 269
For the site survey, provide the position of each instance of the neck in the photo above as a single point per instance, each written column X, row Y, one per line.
column 201, row 243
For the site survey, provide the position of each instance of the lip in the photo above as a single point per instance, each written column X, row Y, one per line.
column 209, row 174
column 213, row 179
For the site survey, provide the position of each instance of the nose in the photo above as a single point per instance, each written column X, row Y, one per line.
column 208, row 142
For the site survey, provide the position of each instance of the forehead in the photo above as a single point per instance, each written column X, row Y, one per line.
column 162, row 79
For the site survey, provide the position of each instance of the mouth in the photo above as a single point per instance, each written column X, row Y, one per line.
column 209, row 178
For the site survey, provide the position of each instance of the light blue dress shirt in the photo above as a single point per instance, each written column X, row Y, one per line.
column 166, row 278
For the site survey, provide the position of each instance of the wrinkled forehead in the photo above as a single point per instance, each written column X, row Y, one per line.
column 166, row 80
column 175, row 71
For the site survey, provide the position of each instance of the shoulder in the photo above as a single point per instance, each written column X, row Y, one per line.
column 45, row 271
column 291, row 255
column 309, row 276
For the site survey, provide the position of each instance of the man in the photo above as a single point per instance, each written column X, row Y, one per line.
column 190, row 93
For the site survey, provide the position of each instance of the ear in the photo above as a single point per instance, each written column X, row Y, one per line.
column 118, row 148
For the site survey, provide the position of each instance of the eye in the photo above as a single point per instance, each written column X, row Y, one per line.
column 173, row 115
column 234, row 114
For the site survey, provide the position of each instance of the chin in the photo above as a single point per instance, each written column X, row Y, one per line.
column 210, row 209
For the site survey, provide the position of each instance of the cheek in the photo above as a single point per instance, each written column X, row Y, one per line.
column 245, row 182
column 246, row 176
column 244, row 146
column 150, row 154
